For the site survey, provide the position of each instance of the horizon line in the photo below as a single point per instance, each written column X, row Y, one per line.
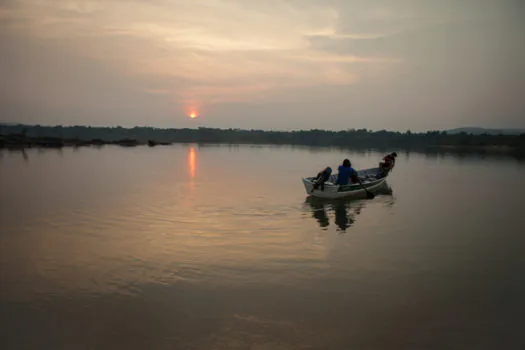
column 521, row 130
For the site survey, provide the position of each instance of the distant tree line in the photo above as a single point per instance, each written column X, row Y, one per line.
column 353, row 138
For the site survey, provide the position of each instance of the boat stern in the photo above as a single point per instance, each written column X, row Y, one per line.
column 308, row 184
column 329, row 191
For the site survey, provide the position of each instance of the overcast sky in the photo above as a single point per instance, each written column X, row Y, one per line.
column 271, row 64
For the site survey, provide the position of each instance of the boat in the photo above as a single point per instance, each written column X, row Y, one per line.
column 371, row 179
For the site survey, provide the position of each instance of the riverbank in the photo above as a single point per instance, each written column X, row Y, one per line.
column 22, row 142
column 31, row 136
column 18, row 141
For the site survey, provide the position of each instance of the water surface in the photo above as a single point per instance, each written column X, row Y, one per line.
column 218, row 247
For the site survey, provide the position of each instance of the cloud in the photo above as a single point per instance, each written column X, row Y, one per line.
column 388, row 63
column 194, row 35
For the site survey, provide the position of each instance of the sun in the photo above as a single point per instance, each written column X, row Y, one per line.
column 193, row 115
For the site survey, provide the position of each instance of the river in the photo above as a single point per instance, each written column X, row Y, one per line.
column 218, row 247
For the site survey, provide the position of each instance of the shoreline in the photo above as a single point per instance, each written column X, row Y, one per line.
column 19, row 141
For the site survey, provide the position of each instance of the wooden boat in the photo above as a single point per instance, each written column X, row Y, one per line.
column 371, row 179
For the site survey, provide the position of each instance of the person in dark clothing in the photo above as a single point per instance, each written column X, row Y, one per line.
column 321, row 178
column 389, row 161
column 346, row 173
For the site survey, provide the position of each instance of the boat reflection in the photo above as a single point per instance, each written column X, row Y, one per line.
column 344, row 211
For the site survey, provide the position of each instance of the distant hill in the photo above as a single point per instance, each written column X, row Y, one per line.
column 480, row 131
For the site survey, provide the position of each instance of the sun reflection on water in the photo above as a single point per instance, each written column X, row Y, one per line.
column 191, row 161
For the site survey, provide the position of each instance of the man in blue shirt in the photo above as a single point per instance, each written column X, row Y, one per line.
column 346, row 173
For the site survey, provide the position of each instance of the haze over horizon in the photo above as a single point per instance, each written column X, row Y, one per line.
column 275, row 64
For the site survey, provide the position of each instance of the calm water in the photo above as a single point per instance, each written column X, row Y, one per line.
column 217, row 247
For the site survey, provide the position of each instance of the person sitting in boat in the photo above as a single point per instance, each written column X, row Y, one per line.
column 321, row 178
column 388, row 164
column 346, row 174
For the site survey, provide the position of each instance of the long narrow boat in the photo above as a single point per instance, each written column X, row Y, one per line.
column 370, row 179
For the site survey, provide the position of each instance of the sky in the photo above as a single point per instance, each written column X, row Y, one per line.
column 264, row 64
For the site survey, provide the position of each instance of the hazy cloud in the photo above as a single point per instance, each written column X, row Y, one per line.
column 265, row 64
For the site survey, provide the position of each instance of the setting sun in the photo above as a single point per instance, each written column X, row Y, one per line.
column 193, row 115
